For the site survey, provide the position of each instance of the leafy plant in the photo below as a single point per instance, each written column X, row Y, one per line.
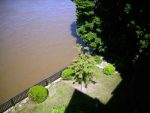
column 38, row 93
column 98, row 59
column 109, row 70
column 88, row 25
column 67, row 74
column 60, row 109
column 127, row 8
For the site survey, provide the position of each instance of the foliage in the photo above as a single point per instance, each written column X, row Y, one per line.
column 143, row 38
column 38, row 93
column 125, row 31
column 67, row 74
column 88, row 25
column 60, row 109
column 83, row 66
column 98, row 59
column 127, row 8
column 109, row 70
column 117, row 29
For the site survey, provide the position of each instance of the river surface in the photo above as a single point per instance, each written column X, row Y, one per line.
column 36, row 40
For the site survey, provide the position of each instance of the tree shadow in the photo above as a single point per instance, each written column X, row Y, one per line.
column 82, row 103
column 132, row 95
column 128, row 97
column 73, row 28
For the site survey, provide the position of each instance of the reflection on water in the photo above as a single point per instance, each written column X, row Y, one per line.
column 35, row 41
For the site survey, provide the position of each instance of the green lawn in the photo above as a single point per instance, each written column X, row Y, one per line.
column 65, row 93
column 105, row 85
column 59, row 94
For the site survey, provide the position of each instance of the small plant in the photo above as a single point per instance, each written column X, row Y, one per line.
column 98, row 59
column 60, row 109
column 127, row 8
column 38, row 93
column 67, row 74
column 109, row 70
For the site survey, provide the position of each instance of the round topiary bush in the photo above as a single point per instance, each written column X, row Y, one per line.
column 109, row 70
column 67, row 74
column 98, row 59
column 38, row 93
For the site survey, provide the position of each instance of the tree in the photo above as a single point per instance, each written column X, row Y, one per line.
column 83, row 66
column 125, row 29
column 88, row 25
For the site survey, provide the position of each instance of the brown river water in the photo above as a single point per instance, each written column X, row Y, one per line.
column 36, row 40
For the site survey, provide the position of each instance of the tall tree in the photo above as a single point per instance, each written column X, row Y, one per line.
column 83, row 66
column 88, row 24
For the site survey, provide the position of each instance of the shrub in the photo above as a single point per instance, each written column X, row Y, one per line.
column 109, row 70
column 67, row 74
column 60, row 109
column 38, row 93
column 98, row 59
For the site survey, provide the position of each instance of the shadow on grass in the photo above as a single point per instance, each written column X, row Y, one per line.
column 130, row 96
column 82, row 103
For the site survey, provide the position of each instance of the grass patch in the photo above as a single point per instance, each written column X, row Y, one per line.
column 103, row 87
column 68, row 94
column 62, row 95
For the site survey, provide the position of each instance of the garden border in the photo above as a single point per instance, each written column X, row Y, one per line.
column 19, row 97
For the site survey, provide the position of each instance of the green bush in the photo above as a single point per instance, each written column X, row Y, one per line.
column 98, row 59
column 60, row 109
column 67, row 74
column 109, row 70
column 38, row 93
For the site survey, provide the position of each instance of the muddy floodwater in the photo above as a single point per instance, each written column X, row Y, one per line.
column 36, row 40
